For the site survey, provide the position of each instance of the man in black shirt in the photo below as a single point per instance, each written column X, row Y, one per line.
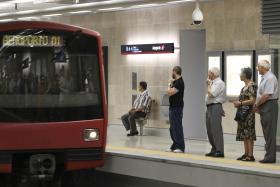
column 175, row 91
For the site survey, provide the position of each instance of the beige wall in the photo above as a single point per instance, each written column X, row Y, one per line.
column 229, row 24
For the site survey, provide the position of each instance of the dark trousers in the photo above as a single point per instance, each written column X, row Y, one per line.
column 269, row 116
column 128, row 120
column 214, row 127
column 176, row 128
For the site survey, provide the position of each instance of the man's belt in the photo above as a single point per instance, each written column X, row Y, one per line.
column 212, row 104
column 273, row 99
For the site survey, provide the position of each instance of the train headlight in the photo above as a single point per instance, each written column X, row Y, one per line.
column 91, row 135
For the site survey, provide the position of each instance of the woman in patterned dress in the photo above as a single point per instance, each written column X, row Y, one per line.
column 246, row 130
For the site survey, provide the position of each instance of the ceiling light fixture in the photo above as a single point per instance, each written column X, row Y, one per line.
column 25, row 12
column 73, row 7
column 81, row 12
column 51, row 15
column 110, row 9
column 144, row 5
column 181, row 1
column 6, row 20
column 27, row 18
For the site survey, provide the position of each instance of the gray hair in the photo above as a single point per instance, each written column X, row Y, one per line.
column 265, row 64
column 215, row 71
column 247, row 72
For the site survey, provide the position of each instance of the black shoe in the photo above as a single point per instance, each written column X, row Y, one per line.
column 267, row 161
column 249, row 159
column 133, row 133
column 242, row 157
column 218, row 154
column 210, row 154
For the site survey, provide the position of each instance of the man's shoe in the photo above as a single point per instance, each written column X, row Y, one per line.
column 133, row 133
column 178, row 151
column 218, row 154
column 264, row 161
column 169, row 150
column 210, row 154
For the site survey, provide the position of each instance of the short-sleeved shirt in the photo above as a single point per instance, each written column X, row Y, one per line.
column 218, row 92
column 268, row 85
column 177, row 100
column 142, row 101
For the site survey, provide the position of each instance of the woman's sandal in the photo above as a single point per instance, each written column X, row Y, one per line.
column 242, row 157
column 249, row 159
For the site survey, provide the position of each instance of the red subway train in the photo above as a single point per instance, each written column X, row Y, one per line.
column 53, row 108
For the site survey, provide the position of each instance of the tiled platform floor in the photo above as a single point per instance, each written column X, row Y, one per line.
column 153, row 147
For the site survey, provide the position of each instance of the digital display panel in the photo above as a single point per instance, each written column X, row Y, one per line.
column 147, row 48
column 32, row 41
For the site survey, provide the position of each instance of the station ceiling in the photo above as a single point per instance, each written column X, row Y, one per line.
column 23, row 8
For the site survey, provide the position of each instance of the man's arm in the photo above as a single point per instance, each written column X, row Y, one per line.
column 131, row 110
column 214, row 90
column 209, row 90
column 263, row 99
column 171, row 90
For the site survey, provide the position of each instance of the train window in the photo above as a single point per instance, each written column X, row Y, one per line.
column 55, row 81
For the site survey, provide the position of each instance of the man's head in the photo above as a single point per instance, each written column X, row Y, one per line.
column 263, row 66
column 213, row 73
column 176, row 72
column 142, row 86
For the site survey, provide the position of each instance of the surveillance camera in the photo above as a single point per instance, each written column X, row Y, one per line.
column 197, row 15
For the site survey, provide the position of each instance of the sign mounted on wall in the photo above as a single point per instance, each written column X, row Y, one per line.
column 158, row 48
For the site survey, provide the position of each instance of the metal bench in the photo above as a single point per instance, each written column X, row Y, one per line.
column 143, row 121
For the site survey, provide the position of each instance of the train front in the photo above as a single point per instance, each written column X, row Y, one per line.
column 52, row 99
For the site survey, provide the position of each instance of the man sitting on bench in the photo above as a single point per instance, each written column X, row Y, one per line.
column 139, row 110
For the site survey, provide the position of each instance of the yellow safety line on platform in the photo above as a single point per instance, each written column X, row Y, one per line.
column 147, row 152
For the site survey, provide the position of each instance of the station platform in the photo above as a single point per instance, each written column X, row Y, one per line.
column 144, row 157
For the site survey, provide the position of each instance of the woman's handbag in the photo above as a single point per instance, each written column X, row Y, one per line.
column 242, row 113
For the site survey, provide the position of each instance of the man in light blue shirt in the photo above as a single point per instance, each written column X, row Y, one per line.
column 216, row 96
column 267, row 107
column 217, row 91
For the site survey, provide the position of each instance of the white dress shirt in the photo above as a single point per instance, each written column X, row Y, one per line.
column 268, row 85
column 218, row 92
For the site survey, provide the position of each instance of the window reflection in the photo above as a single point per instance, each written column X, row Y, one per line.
column 53, row 83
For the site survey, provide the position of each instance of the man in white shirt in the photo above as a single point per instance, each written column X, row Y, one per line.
column 216, row 96
column 267, row 107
